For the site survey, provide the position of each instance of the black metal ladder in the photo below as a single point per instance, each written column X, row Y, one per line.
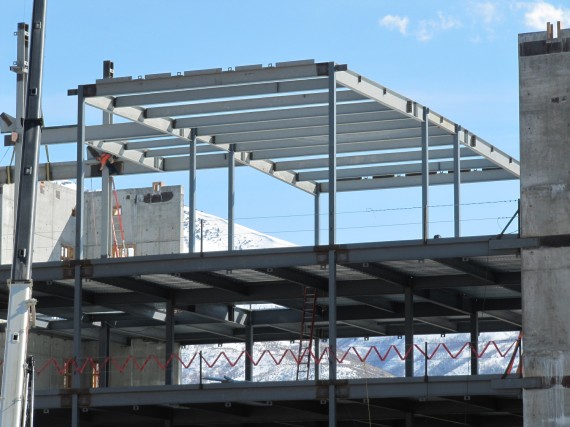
column 307, row 333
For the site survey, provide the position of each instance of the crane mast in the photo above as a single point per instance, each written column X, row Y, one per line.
column 15, row 405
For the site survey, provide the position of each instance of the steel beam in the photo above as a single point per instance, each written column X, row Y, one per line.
column 415, row 181
column 222, row 92
column 207, row 78
column 307, row 113
column 376, row 388
column 155, row 164
column 113, row 132
column 348, row 142
column 365, row 159
column 246, row 104
column 389, row 171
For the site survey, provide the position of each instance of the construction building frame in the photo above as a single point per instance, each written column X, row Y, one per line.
column 324, row 129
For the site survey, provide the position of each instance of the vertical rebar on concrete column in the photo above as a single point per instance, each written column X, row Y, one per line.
column 332, row 242
column 78, row 289
column 409, row 329
column 317, row 217
column 192, row 192
column 106, row 181
column 474, row 342
column 457, row 182
column 231, row 197
column 425, row 174
column 249, row 347
column 104, row 345
column 169, row 339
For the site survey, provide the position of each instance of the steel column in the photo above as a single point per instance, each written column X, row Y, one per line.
column 249, row 347
column 104, row 346
column 317, row 351
column 425, row 174
column 409, row 329
column 106, row 183
column 192, row 192
column 474, row 342
column 332, row 242
column 78, row 289
column 457, row 182
column 106, row 206
column 317, row 218
column 231, row 197
column 169, row 339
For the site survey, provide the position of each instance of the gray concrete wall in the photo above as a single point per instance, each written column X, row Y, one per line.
column 152, row 220
column 544, row 71
column 51, row 353
column 54, row 223
column 152, row 374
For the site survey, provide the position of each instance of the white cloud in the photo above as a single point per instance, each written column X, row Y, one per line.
column 486, row 11
column 446, row 22
column 427, row 29
column 395, row 23
column 540, row 12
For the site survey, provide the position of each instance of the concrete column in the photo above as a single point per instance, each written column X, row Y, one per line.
column 544, row 95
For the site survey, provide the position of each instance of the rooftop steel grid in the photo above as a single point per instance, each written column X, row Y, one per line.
column 275, row 119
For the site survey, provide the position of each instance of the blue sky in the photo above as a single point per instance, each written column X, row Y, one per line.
column 459, row 57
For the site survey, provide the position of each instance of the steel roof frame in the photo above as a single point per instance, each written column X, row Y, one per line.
column 267, row 113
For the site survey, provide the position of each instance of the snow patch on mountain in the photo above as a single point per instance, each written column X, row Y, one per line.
column 214, row 231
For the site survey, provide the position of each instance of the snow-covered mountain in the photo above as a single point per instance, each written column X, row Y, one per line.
column 361, row 358
column 215, row 232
